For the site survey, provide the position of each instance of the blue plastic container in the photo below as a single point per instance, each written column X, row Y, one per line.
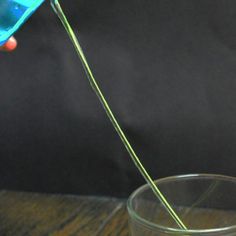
column 13, row 13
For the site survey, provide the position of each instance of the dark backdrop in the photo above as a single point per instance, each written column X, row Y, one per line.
column 168, row 71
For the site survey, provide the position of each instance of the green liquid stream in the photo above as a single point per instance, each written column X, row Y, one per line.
column 58, row 10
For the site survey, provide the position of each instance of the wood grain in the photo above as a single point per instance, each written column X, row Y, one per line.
column 60, row 215
column 31, row 214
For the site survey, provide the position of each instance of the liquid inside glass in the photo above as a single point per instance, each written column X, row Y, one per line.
column 10, row 12
column 13, row 13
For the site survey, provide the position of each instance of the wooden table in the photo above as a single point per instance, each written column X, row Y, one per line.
column 61, row 215
column 32, row 214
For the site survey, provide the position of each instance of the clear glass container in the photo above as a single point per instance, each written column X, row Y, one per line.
column 205, row 203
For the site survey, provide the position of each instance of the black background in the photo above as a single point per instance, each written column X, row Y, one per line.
column 168, row 71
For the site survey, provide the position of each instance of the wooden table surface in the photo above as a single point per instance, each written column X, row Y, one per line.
column 32, row 214
column 61, row 215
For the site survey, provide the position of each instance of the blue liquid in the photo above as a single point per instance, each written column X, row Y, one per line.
column 10, row 13
column 13, row 13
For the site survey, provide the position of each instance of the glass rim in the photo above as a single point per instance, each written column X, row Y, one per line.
column 161, row 228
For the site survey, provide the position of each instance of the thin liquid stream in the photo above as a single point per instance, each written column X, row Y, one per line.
column 58, row 10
